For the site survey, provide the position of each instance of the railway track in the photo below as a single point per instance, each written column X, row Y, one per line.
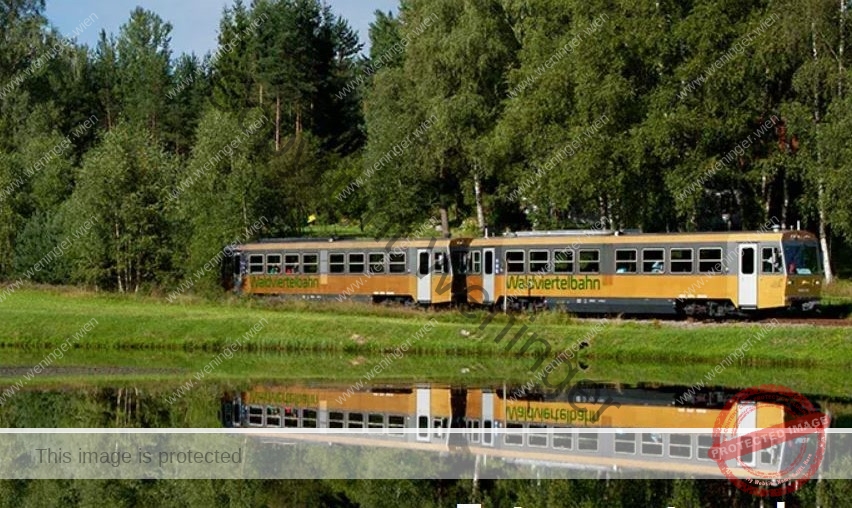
column 690, row 322
column 828, row 321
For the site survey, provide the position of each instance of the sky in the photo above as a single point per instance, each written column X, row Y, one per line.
column 195, row 22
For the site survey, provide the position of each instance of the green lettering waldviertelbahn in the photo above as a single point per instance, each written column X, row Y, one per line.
column 285, row 282
column 296, row 399
column 554, row 282
column 547, row 414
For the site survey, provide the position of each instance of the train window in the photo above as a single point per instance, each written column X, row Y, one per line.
column 255, row 416
column 705, row 442
column 356, row 263
column 309, row 418
column 256, row 263
column 423, row 263
column 473, row 429
column 772, row 260
column 476, row 262
column 356, row 420
column 396, row 423
column 460, row 261
column 767, row 455
column 590, row 261
column 539, row 261
column 587, row 442
column 486, row 425
column 680, row 446
column 273, row 263
column 747, row 261
column 440, row 265
column 377, row 262
column 514, row 434
column 562, row 440
column 291, row 417
column 489, row 262
column 310, row 263
column 802, row 259
column 291, row 263
column 423, row 426
column 438, row 424
column 376, row 421
column 625, row 261
column 273, row 417
column 335, row 420
column 563, row 261
column 625, row 442
column 515, row 261
column 396, row 262
column 652, row 444
column 537, row 436
column 710, row 260
column 681, row 260
column 653, row 261
column 336, row 263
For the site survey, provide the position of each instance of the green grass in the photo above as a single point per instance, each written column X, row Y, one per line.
column 41, row 319
column 839, row 289
column 837, row 298
column 164, row 371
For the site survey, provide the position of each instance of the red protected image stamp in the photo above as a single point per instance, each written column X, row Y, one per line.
column 769, row 440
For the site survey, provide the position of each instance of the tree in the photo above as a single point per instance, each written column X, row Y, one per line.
column 217, row 196
column 106, row 79
column 384, row 35
column 234, row 62
column 143, row 68
column 187, row 99
column 122, row 190
column 814, row 33
column 453, row 72
column 286, row 64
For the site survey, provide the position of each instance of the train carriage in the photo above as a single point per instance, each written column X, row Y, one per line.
column 419, row 271
column 693, row 274
column 712, row 274
column 594, row 425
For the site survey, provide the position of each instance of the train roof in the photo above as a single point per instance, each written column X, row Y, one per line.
column 597, row 237
column 566, row 237
column 348, row 243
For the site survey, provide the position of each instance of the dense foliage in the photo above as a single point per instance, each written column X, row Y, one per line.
column 663, row 115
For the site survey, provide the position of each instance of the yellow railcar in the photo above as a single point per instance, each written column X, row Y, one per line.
column 413, row 271
column 604, row 272
column 598, row 425
column 715, row 274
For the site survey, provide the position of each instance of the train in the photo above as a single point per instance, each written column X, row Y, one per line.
column 717, row 274
column 597, row 425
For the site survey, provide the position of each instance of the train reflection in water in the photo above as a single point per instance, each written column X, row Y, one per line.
column 494, row 422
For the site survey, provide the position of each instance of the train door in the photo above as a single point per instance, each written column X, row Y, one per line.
column 424, row 277
column 424, row 413
column 488, row 276
column 747, row 276
column 746, row 424
column 488, row 418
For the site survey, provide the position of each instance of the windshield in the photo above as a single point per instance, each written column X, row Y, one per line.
column 802, row 259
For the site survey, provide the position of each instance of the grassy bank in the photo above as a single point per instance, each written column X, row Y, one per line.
column 164, row 371
column 40, row 319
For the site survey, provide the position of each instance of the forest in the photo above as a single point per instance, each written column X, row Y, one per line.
column 127, row 167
